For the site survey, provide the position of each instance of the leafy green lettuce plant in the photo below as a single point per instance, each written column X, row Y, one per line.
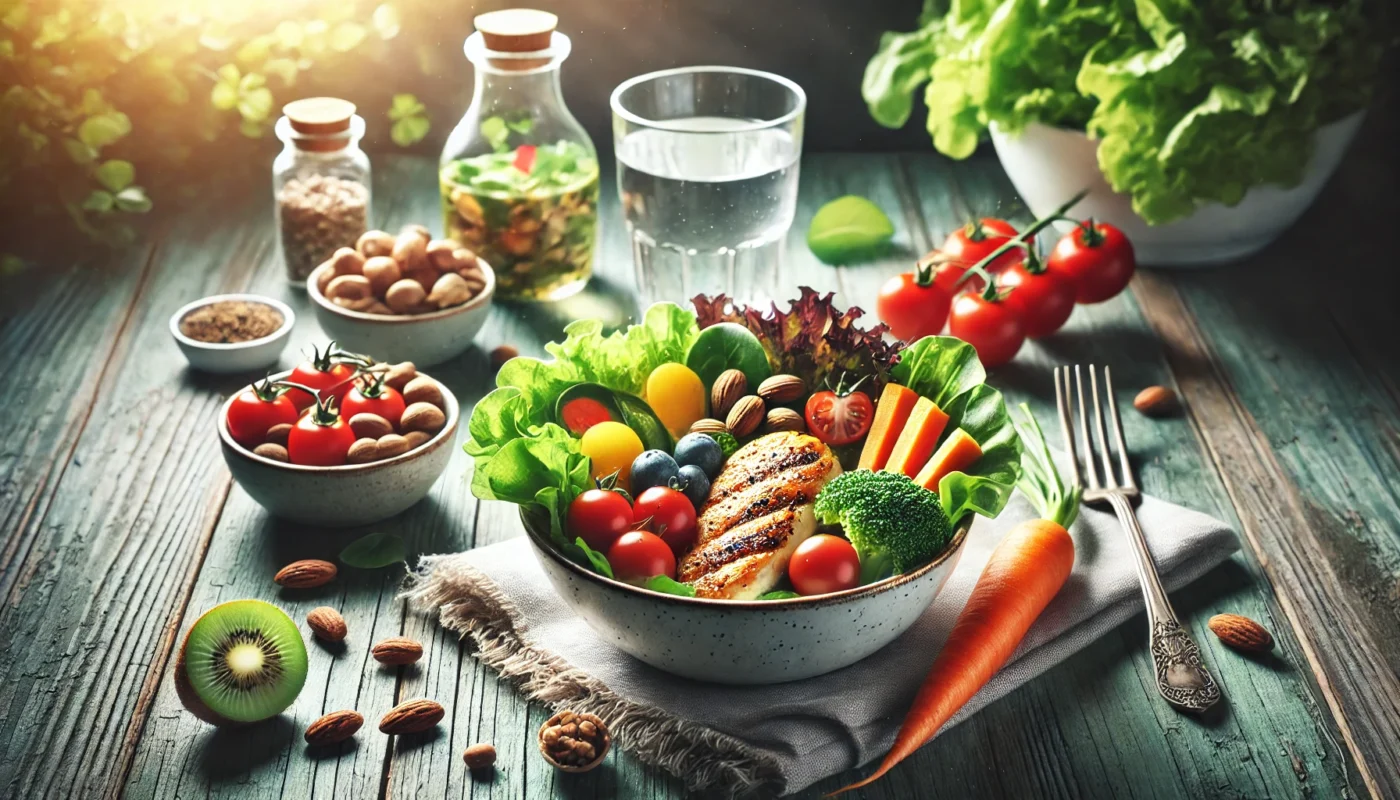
column 1193, row 101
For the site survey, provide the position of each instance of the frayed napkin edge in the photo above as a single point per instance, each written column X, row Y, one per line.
column 471, row 604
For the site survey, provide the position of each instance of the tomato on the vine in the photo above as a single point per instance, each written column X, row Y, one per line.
column 914, row 304
column 331, row 373
column 371, row 395
column 824, row 564
column 669, row 514
column 599, row 516
column 638, row 555
column 321, row 438
column 1097, row 258
column 976, row 240
column 1042, row 299
column 985, row 321
column 256, row 409
column 841, row 416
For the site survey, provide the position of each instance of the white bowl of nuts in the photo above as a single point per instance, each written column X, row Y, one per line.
column 408, row 297
column 383, row 466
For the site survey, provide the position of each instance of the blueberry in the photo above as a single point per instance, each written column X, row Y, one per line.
column 695, row 485
column 653, row 468
column 701, row 451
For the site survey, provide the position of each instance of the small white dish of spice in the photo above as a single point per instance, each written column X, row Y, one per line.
column 227, row 333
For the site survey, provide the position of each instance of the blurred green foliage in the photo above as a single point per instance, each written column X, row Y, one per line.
column 97, row 96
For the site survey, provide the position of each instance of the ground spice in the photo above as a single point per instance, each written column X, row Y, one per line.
column 231, row 321
column 319, row 214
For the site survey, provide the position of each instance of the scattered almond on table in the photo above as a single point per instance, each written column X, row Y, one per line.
column 333, row 728
column 1241, row 633
column 327, row 624
column 413, row 716
column 307, row 573
column 480, row 758
column 1156, row 401
column 397, row 651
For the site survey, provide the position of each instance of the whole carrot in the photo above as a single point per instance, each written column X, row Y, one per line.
column 1023, row 575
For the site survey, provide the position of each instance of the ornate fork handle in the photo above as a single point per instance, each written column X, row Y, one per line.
column 1181, row 677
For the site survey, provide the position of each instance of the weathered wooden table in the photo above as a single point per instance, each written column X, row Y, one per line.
column 119, row 524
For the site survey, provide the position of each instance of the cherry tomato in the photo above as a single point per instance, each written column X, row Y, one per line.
column 256, row 409
column 1097, row 258
column 991, row 326
column 976, row 240
column 371, row 396
column 324, row 373
column 1042, row 299
column 824, row 564
column 599, row 516
column 838, row 418
column 914, row 304
column 638, row 555
column 321, row 438
column 671, row 513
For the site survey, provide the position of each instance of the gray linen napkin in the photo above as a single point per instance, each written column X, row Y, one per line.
column 773, row 739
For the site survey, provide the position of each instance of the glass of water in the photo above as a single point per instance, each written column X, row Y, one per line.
column 707, row 161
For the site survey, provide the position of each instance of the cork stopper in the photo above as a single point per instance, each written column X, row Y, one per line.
column 517, row 30
column 319, row 120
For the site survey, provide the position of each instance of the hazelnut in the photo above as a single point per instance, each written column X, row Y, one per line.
column 349, row 287
column 439, row 252
column 382, row 273
column 347, row 261
column 480, row 757
column 411, row 251
column 375, row 243
column 404, row 295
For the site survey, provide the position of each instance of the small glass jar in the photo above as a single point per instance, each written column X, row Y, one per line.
column 320, row 183
column 519, row 175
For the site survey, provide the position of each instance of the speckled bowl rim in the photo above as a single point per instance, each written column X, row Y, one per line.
column 446, row 435
column 834, row 598
column 482, row 299
column 289, row 319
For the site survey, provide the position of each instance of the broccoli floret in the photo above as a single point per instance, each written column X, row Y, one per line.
column 894, row 523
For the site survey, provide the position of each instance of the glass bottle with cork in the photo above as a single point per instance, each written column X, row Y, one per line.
column 320, row 182
column 519, row 176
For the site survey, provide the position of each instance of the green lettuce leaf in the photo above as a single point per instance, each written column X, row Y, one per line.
column 1193, row 101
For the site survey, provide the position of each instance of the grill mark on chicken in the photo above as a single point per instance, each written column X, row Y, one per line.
column 786, row 458
column 761, row 536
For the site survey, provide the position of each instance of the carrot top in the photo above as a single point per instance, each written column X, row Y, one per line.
column 1040, row 480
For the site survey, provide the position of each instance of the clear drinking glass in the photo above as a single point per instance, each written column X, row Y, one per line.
column 707, row 161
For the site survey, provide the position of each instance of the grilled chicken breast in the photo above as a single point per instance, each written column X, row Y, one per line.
column 759, row 511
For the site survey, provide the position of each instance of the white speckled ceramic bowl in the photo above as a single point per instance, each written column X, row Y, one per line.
column 746, row 642
column 340, row 497
column 424, row 339
column 252, row 356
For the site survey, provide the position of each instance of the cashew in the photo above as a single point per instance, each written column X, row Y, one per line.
column 347, row 261
column 449, row 290
column 349, row 287
column 375, row 243
column 382, row 272
column 411, row 251
column 440, row 254
column 405, row 295
column 323, row 276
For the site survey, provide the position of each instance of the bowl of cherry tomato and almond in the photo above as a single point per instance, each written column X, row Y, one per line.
column 339, row 440
column 991, row 287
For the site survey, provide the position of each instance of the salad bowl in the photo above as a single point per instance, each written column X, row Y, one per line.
column 1046, row 163
column 746, row 643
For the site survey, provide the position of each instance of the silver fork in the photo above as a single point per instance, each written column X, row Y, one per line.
column 1181, row 677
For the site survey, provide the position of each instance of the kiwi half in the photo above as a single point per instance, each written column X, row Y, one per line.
column 242, row 661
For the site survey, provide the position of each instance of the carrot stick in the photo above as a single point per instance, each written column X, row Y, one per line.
column 1023, row 575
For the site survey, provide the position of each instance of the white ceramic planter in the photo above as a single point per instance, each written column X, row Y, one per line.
column 746, row 642
column 1047, row 165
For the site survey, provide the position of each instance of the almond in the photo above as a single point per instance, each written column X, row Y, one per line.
column 708, row 426
column 278, row 434
column 414, row 716
column 746, row 415
column 327, row 624
column 783, row 419
column 397, row 650
column 400, row 374
column 726, row 391
column 392, row 445
column 501, row 355
column 423, row 389
column 370, row 426
column 422, row 417
column 1155, row 401
column 271, row 450
column 1241, row 633
column 780, row 390
column 305, row 574
column 480, row 756
column 416, row 438
column 333, row 728
column 363, row 451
